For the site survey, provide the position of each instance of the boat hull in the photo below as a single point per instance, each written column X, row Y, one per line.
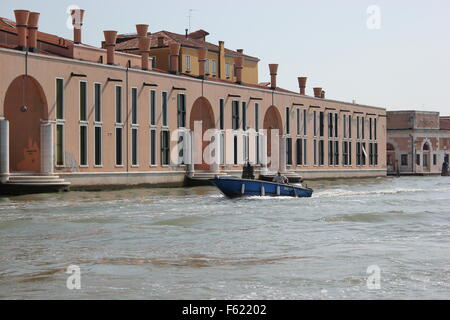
column 234, row 188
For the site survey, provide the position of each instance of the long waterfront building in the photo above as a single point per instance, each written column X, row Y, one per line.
column 100, row 116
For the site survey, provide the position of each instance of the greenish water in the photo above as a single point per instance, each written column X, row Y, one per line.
column 196, row 244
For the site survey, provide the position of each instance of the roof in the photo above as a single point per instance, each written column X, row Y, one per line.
column 9, row 26
column 128, row 42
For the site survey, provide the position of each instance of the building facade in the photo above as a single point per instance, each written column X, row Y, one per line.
column 418, row 142
column 96, row 116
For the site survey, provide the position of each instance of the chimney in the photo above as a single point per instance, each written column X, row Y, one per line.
column 21, row 25
column 222, row 71
column 160, row 41
column 273, row 75
column 186, row 30
column 33, row 21
column 317, row 92
column 110, row 44
column 144, row 44
column 174, row 49
column 302, row 85
column 202, row 53
column 322, row 95
column 239, row 63
column 77, row 22
column 241, row 51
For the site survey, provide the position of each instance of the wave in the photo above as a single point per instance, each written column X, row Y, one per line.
column 347, row 193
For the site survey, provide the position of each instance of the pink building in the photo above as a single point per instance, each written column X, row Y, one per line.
column 418, row 142
column 96, row 116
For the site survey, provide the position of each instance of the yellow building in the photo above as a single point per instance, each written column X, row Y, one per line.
column 220, row 60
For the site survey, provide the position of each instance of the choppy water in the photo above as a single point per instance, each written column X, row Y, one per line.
column 195, row 244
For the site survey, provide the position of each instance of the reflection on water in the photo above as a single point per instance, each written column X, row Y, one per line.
column 194, row 243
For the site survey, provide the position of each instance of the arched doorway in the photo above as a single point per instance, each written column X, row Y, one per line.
column 25, row 106
column 202, row 111
column 272, row 121
column 391, row 158
column 426, row 154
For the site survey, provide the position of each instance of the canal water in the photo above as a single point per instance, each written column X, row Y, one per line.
column 196, row 244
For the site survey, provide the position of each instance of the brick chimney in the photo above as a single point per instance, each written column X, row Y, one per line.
column 77, row 22
column 110, row 44
column 144, row 44
column 160, row 41
column 273, row 75
column 33, row 21
column 239, row 63
column 202, row 54
column 302, row 85
column 174, row 49
column 222, row 67
column 317, row 92
column 21, row 25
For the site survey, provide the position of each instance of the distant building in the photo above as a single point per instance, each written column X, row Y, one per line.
column 418, row 142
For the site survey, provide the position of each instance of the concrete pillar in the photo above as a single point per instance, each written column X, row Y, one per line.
column 4, row 150
column 47, row 148
column 282, row 154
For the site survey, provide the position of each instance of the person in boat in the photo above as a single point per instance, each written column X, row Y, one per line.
column 280, row 178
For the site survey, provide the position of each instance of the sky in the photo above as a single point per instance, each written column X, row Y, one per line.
column 393, row 54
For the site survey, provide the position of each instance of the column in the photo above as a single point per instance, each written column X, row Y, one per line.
column 47, row 148
column 282, row 154
column 4, row 150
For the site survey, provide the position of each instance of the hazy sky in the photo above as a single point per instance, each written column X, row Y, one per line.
column 404, row 64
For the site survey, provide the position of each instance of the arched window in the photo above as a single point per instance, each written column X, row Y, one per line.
column 426, row 147
column 390, row 147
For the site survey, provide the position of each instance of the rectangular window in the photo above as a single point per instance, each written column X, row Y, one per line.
column 358, row 152
column 165, row 147
column 376, row 153
column 59, row 99
column 315, row 152
column 336, row 153
column 97, row 102
column 214, row 68
column 344, row 125
column 289, row 151
column 299, row 149
column 83, row 101
column 418, row 159
column 222, row 114
column 207, row 66
column 322, row 123
column 364, row 154
column 330, row 125
column 153, row 147
column 83, row 146
column 98, row 146
column 370, row 129
column 299, row 121
column 305, row 152
column 227, row 70
column 235, row 115
column 305, row 122
column 363, row 127
column 153, row 107
column 59, row 145
column 154, row 62
column 321, row 152
column 181, row 102
column 345, row 151
column 235, row 150
column 330, row 153
column 358, row 131
column 434, row 159
column 315, row 123
column 134, row 106
column 336, row 125
column 350, row 153
column 164, row 110
column 118, row 104
column 288, row 121
column 404, row 159
column 244, row 116
column 119, row 150
column 375, row 128
column 134, row 146
column 188, row 63
column 257, row 117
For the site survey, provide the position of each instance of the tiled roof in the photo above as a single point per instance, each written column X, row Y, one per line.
column 132, row 43
column 10, row 26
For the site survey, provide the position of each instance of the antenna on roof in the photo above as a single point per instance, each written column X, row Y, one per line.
column 190, row 17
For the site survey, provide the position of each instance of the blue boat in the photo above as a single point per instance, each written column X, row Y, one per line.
column 234, row 188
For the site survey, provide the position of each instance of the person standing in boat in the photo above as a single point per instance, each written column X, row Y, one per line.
column 280, row 179
column 445, row 169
